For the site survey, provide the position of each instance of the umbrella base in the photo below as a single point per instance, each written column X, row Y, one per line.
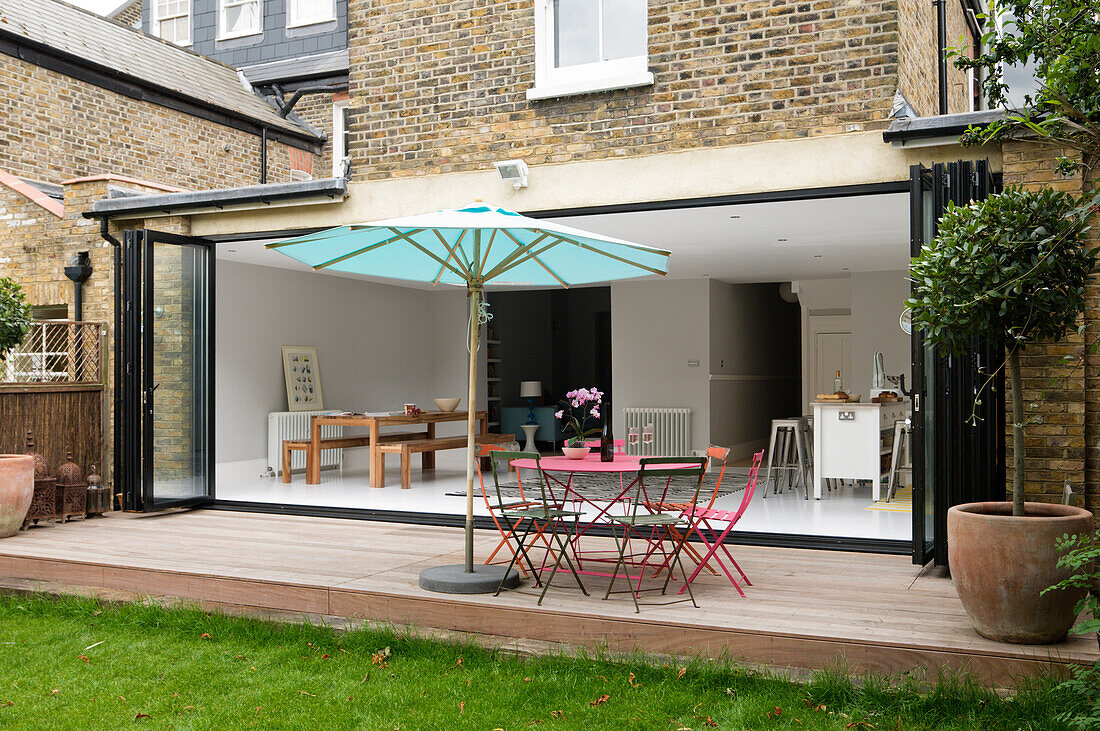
column 454, row 579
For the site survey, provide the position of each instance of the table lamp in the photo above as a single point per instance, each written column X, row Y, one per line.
column 530, row 390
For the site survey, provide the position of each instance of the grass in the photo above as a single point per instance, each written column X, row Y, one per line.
column 80, row 663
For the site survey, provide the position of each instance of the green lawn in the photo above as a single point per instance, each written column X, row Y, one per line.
column 77, row 663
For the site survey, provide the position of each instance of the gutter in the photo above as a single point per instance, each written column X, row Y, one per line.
column 938, row 130
column 165, row 204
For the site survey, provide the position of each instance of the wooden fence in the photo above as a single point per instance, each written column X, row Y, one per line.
column 55, row 384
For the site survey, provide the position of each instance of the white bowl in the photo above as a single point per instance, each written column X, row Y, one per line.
column 447, row 404
column 575, row 452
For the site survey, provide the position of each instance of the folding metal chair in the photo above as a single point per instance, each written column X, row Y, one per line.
column 496, row 506
column 703, row 517
column 655, row 528
column 543, row 517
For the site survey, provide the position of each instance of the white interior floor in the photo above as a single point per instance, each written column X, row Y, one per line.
column 840, row 513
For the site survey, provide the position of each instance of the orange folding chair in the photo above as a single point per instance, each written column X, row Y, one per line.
column 494, row 507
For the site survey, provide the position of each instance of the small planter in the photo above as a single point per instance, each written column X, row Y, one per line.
column 16, row 491
column 575, row 452
column 1000, row 564
column 72, row 501
column 44, row 503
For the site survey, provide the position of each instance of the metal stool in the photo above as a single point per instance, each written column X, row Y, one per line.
column 830, row 482
column 902, row 431
column 788, row 452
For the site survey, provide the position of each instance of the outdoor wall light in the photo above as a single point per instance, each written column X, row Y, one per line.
column 514, row 171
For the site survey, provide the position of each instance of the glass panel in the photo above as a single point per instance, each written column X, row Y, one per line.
column 624, row 29
column 241, row 18
column 177, row 317
column 302, row 11
column 576, row 32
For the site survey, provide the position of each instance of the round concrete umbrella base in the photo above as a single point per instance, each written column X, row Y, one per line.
column 454, row 579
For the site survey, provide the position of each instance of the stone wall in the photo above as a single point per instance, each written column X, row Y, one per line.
column 56, row 128
column 919, row 75
column 1061, row 396
column 439, row 87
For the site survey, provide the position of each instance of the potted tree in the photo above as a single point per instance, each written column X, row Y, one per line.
column 1011, row 268
column 16, row 470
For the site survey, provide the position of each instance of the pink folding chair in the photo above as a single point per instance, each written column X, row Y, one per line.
column 705, row 517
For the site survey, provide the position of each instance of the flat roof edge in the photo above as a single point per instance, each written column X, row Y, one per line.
column 173, row 202
column 913, row 128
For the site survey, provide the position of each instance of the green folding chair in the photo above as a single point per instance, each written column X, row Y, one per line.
column 660, row 480
column 541, row 519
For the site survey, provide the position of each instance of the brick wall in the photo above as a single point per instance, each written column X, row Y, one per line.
column 919, row 75
column 130, row 16
column 439, row 86
column 56, row 128
column 316, row 111
column 1061, row 397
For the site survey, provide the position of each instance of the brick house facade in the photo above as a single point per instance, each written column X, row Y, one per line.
column 83, row 138
column 439, row 88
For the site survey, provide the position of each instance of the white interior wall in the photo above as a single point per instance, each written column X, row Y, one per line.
column 872, row 301
column 657, row 328
column 755, row 361
column 378, row 346
column 878, row 299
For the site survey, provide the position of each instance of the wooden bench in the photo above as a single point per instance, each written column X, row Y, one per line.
column 407, row 448
column 302, row 445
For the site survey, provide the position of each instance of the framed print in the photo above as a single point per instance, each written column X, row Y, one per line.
column 303, row 379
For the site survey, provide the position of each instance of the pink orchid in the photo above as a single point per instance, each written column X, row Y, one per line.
column 558, row 413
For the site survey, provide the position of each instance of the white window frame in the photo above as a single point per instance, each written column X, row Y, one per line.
column 293, row 21
column 550, row 82
column 223, row 5
column 339, row 154
column 157, row 19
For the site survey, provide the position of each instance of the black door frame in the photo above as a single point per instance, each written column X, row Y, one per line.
column 961, row 399
column 134, row 358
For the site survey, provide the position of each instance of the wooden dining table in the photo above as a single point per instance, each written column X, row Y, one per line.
column 375, row 422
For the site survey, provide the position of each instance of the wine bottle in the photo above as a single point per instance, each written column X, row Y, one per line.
column 607, row 440
column 838, row 385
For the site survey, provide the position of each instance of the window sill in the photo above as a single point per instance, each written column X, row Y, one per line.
column 235, row 36
column 553, row 90
column 307, row 23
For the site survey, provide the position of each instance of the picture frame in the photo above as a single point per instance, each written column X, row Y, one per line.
column 303, row 378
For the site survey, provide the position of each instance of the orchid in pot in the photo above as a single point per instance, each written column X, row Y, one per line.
column 578, row 407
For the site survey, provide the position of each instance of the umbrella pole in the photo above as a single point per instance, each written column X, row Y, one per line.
column 471, row 419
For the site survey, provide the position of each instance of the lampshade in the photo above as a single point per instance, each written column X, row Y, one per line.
column 530, row 389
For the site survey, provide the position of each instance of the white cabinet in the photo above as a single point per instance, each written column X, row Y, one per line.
column 848, row 441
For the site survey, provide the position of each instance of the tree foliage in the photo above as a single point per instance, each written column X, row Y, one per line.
column 15, row 315
column 1011, row 267
column 1061, row 38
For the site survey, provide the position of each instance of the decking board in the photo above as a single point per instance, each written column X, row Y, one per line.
column 807, row 608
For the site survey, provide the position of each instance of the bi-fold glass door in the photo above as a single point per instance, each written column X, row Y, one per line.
column 164, row 372
column 958, row 400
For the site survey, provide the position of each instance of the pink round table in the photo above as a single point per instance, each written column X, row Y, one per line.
column 591, row 463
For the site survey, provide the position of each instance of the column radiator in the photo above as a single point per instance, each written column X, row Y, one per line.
column 671, row 431
column 295, row 425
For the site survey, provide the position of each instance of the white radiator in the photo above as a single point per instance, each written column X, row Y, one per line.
column 295, row 425
column 671, row 431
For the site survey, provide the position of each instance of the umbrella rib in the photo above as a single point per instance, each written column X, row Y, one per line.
column 627, row 244
column 450, row 252
column 357, row 252
column 535, row 258
column 515, row 263
column 331, row 234
column 506, row 263
column 609, row 255
column 488, row 248
column 408, row 237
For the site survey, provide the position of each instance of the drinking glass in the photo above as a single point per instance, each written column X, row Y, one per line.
column 632, row 440
column 647, row 439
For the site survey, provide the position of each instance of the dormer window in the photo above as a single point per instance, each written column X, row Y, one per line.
column 237, row 18
column 584, row 46
column 309, row 12
column 172, row 21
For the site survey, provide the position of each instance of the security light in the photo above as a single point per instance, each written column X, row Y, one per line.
column 513, row 170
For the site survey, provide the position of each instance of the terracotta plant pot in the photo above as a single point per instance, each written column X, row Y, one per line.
column 16, row 491
column 1000, row 564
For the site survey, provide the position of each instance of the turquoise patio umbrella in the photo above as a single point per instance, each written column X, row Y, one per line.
column 474, row 246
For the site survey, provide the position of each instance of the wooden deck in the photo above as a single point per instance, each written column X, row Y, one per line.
column 807, row 608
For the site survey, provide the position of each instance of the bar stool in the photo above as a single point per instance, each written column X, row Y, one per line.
column 829, row 481
column 902, row 432
column 788, row 451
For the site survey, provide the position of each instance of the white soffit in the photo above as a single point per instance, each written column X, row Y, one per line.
column 746, row 242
